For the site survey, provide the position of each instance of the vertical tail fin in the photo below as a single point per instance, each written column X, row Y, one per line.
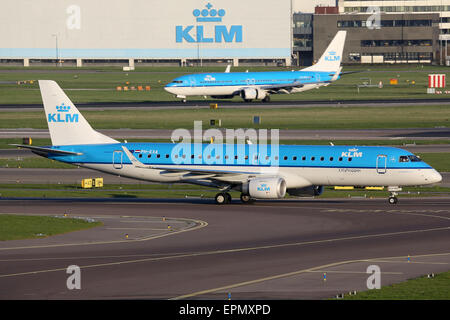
column 331, row 59
column 66, row 124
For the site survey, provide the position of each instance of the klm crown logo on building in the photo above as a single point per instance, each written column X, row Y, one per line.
column 332, row 56
column 220, row 34
column 62, row 114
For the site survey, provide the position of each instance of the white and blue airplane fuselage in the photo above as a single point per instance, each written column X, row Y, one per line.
column 257, row 171
column 260, row 85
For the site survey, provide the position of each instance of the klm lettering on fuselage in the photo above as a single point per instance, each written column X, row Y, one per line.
column 221, row 33
column 352, row 153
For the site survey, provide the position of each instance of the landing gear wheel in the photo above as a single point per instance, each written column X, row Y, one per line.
column 245, row 198
column 248, row 100
column 223, row 198
column 393, row 200
column 266, row 99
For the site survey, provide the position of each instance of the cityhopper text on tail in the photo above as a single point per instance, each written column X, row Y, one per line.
column 257, row 171
column 260, row 85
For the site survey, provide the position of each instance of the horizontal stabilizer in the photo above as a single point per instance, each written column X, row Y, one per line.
column 46, row 151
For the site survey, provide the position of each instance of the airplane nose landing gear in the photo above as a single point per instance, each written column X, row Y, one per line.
column 394, row 193
column 393, row 200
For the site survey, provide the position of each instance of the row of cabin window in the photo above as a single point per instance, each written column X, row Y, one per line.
column 246, row 157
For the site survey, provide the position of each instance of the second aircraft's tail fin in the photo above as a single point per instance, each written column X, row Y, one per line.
column 331, row 59
column 66, row 124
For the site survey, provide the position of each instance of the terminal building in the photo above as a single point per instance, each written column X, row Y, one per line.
column 393, row 38
column 142, row 32
column 202, row 33
column 437, row 10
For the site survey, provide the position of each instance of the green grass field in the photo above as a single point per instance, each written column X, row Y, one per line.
column 5, row 143
column 423, row 288
column 15, row 227
column 279, row 118
column 108, row 78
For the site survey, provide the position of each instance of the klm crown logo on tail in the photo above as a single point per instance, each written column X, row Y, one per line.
column 332, row 56
column 62, row 114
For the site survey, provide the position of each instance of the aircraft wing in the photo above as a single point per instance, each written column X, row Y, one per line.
column 191, row 173
column 287, row 88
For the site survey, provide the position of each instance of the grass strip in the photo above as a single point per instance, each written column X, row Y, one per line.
column 14, row 227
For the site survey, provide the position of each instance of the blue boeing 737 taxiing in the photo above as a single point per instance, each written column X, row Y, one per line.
column 260, row 85
column 257, row 171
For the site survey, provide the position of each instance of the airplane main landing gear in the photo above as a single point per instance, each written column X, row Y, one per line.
column 223, row 198
column 266, row 99
column 246, row 199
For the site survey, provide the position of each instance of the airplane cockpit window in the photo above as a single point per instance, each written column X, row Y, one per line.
column 177, row 81
column 414, row 158
column 404, row 159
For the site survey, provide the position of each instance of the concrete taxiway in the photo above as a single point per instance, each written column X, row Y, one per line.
column 356, row 134
column 269, row 250
column 74, row 176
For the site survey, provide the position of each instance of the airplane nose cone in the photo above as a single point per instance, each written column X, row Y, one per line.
column 437, row 177
column 168, row 89
column 433, row 177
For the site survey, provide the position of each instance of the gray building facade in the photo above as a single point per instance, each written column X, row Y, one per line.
column 392, row 38
column 302, row 39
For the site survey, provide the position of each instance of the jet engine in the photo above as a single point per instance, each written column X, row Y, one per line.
column 253, row 93
column 265, row 188
column 306, row 192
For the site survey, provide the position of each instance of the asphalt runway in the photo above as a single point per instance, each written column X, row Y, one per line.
column 269, row 250
column 195, row 102
column 74, row 176
column 331, row 135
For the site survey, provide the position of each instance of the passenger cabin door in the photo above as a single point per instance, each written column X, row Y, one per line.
column 381, row 163
column 117, row 159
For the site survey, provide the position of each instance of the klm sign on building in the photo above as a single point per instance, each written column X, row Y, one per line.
column 197, row 33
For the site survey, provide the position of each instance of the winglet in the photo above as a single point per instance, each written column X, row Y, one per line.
column 132, row 158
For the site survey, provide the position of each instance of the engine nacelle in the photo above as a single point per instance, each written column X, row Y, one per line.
column 253, row 93
column 265, row 188
column 306, row 192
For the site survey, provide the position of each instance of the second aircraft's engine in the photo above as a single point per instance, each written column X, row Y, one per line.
column 265, row 188
column 253, row 93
